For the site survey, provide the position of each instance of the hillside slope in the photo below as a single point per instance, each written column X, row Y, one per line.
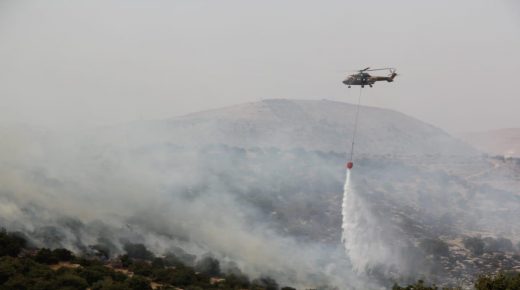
column 311, row 125
column 259, row 184
column 504, row 142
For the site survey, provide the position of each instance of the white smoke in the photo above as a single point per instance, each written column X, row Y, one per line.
column 75, row 193
column 271, row 211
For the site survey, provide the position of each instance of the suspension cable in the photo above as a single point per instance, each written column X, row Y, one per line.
column 355, row 124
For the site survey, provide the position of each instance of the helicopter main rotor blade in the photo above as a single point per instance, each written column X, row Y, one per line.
column 385, row 68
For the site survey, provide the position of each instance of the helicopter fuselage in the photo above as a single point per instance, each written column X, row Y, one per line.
column 365, row 79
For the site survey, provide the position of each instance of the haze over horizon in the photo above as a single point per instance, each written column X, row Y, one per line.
column 86, row 63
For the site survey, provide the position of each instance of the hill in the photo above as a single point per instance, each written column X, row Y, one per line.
column 256, row 185
column 311, row 125
column 504, row 142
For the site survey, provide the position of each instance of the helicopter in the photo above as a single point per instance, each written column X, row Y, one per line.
column 362, row 78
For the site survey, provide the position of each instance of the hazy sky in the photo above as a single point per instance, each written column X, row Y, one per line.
column 101, row 62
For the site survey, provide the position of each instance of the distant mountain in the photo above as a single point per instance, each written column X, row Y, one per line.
column 311, row 125
column 498, row 142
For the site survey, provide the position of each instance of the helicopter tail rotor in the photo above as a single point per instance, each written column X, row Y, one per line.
column 393, row 74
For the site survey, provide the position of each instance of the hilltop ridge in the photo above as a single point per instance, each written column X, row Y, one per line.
column 309, row 124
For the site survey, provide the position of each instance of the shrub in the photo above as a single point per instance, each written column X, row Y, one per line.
column 266, row 283
column 141, row 268
column 502, row 281
column 420, row 285
column 208, row 266
column 179, row 256
column 71, row 281
column 435, row 247
column 63, row 255
column 94, row 274
column 46, row 256
column 138, row 251
column 497, row 245
column 474, row 244
column 237, row 281
column 138, row 283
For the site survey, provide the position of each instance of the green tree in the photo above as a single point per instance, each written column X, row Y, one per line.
column 95, row 273
column 266, row 283
column 46, row 256
column 63, row 255
column 501, row 281
column 141, row 268
column 181, row 276
column 71, row 281
column 138, row 251
column 434, row 247
column 474, row 244
column 126, row 261
column 11, row 244
column 17, row 281
column 138, row 283
column 8, row 268
column 236, row 281
column 158, row 263
column 208, row 266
